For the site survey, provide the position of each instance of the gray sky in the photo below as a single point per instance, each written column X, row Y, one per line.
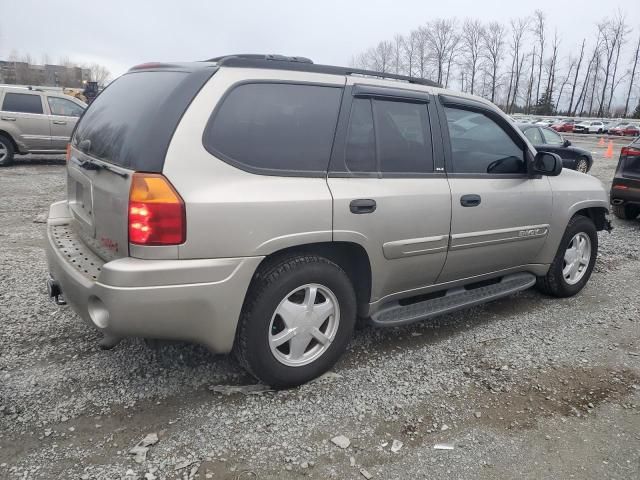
column 120, row 34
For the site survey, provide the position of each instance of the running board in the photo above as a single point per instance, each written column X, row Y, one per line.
column 394, row 314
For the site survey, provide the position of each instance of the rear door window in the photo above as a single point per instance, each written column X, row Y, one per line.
column 64, row 107
column 22, row 103
column 276, row 128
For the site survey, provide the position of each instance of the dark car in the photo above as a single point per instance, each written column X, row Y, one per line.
column 547, row 140
column 625, row 190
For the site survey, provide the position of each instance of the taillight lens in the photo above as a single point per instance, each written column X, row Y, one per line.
column 630, row 152
column 156, row 211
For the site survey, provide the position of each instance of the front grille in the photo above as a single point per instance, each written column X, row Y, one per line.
column 76, row 252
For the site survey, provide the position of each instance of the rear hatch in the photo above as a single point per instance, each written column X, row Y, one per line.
column 627, row 177
column 126, row 129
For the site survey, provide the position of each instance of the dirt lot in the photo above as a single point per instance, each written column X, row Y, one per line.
column 527, row 387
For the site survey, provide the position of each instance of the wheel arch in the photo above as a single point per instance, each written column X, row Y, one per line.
column 351, row 257
column 598, row 215
column 4, row 133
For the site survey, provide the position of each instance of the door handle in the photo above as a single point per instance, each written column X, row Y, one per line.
column 59, row 122
column 9, row 119
column 470, row 200
column 362, row 205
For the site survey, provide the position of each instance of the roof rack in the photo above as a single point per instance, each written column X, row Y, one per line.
column 303, row 64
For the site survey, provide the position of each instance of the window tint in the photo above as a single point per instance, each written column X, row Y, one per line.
column 551, row 137
column 479, row 145
column 360, row 150
column 22, row 102
column 62, row 106
column 276, row 126
column 403, row 137
column 533, row 134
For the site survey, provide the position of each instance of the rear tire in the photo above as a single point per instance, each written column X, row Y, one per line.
column 6, row 151
column 289, row 302
column 625, row 212
column 562, row 280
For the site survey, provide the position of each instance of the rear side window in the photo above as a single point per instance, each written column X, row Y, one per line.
column 275, row 127
column 387, row 136
column 132, row 121
column 64, row 107
column 533, row 134
column 22, row 103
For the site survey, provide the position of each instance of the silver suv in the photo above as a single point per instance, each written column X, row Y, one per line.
column 35, row 121
column 261, row 204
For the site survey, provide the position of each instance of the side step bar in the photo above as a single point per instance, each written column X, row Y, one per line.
column 394, row 314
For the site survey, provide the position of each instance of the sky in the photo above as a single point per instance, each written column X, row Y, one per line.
column 120, row 34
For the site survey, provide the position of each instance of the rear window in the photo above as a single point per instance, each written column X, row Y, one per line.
column 131, row 122
column 22, row 103
column 275, row 127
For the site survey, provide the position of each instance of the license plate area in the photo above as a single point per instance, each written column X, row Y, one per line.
column 80, row 197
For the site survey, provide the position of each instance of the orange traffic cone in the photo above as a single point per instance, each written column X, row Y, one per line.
column 609, row 153
column 601, row 142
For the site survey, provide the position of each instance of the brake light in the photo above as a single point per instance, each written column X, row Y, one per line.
column 68, row 156
column 620, row 187
column 630, row 152
column 156, row 211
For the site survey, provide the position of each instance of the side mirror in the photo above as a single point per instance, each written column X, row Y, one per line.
column 566, row 143
column 546, row 163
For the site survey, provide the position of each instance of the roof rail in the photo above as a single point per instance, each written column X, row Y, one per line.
column 302, row 64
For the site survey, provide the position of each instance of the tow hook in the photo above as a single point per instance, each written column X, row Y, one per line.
column 55, row 292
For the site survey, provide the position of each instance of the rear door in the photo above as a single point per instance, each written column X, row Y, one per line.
column 388, row 185
column 500, row 217
column 127, row 128
column 63, row 115
column 25, row 112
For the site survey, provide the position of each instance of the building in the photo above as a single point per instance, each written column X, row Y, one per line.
column 22, row 73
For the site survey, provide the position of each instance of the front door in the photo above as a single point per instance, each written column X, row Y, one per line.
column 25, row 111
column 500, row 217
column 63, row 118
column 390, row 193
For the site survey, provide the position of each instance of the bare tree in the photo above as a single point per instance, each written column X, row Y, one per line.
column 633, row 74
column 441, row 39
column 493, row 41
column 611, row 32
column 575, row 79
column 472, row 33
column 530, row 86
column 553, row 65
column 518, row 30
column 564, row 83
column 422, row 51
column 98, row 73
column 398, row 42
column 539, row 30
column 409, row 49
column 624, row 31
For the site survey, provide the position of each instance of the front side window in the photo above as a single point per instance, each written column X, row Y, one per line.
column 533, row 134
column 64, row 107
column 276, row 127
column 480, row 145
column 22, row 103
column 387, row 136
column 551, row 137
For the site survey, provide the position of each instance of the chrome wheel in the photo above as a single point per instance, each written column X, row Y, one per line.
column 577, row 258
column 4, row 152
column 304, row 325
column 582, row 166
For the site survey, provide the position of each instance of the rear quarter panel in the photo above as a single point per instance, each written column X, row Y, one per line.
column 233, row 213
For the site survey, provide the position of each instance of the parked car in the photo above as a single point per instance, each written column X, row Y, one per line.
column 625, row 189
column 564, row 126
column 279, row 199
column 588, row 127
column 547, row 140
column 35, row 121
column 625, row 129
column 545, row 122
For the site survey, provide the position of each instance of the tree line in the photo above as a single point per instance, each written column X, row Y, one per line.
column 520, row 65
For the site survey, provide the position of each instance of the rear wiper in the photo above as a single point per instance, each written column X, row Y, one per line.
column 88, row 165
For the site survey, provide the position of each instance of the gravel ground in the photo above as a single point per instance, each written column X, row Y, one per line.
column 528, row 386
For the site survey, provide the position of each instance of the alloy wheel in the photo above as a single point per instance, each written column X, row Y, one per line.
column 577, row 258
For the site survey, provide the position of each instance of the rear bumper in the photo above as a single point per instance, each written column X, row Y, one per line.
column 195, row 300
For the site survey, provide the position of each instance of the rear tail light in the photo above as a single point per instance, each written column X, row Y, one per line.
column 630, row 152
column 156, row 211
column 620, row 187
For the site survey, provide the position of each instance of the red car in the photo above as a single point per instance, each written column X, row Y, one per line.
column 566, row 126
column 625, row 129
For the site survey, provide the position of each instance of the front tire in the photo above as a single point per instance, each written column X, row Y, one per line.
column 582, row 165
column 6, row 151
column 573, row 264
column 625, row 212
column 296, row 322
